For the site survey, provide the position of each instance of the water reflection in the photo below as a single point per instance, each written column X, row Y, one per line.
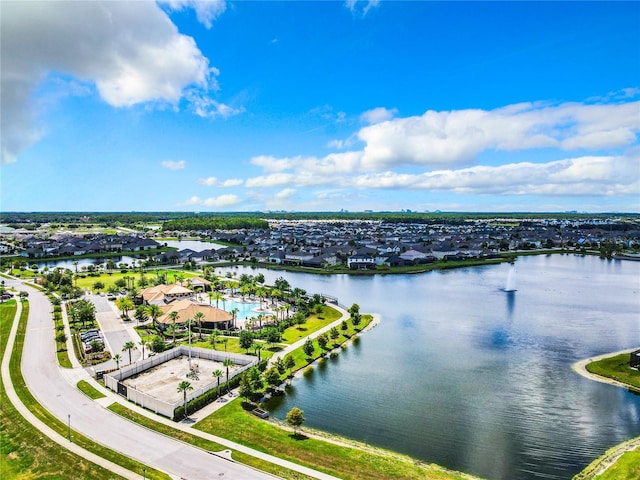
column 461, row 373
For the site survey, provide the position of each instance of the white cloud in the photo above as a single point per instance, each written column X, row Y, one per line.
column 378, row 115
column 214, row 182
column 206, row 107
column 286, row 193
column 273, row 164
column 171, row 165
column 607, row 175
column 353, row 6
column 437, row 139
column 130, row 51
column 206, row 10
column 192, row 201
column 223, row 201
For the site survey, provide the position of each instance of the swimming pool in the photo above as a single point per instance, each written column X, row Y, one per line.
column 245, row 310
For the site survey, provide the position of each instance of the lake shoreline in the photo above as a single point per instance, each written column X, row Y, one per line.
column 580, row 367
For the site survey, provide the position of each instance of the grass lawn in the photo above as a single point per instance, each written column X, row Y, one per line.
column 626, row 468
column 206, row 444
column 301, row 358
column 74, row 465
column 86, row 388
column 110, row 279
column 314, row 322
column 350, row 463
column 616, row 368
column 27, row 453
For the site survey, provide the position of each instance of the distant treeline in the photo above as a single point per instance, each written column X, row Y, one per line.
column 228, row 221
column 215, row 222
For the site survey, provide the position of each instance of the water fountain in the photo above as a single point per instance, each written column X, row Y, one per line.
column 511, row 281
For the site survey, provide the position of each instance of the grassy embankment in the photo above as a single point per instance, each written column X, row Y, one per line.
column 345, row 461
column 26, row 452
column 621, row 462
column 617, row 368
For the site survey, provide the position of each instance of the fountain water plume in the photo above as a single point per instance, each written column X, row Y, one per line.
column 511, row 281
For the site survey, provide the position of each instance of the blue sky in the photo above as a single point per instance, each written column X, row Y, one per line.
column 320, row 106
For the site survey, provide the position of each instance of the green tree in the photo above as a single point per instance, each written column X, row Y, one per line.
column 143, row 344
column 97, row 286
column 124, row 304
column 213, row 337
column 272, row 377
column 334, row 334
column 154, row 311
column 199, row 318
column 117, row 358
column 295, row 418
column 217, row 374
column 61, row 337
column 127, row 347
column 228, row 363
column 183, row 387
column 157, row 344
column 322, row 341
column 308, row 348
column 172, row 329
column 246, row 340
column 344, row 326
column 245, row 389
column 279, row 364
column 289, row 363
column 140, row 314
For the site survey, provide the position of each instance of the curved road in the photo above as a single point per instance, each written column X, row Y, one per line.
column 47, row 383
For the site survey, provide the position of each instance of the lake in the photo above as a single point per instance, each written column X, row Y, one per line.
column 468, row 376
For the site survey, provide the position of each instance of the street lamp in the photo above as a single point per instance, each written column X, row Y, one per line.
column 69, row 426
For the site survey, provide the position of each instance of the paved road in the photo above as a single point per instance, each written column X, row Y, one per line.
column 114, row 332
column 48, row 384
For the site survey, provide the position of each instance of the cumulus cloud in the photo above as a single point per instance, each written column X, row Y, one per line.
column 195, row 200
column 454, row 138
column 130, row 51
column 286, row 193
column 607, row 175
column 171, row 165
column 214, row 182
column 223, row 201
column 378, row 115
column 206, row 10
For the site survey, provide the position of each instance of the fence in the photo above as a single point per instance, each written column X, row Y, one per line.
column 113, row 380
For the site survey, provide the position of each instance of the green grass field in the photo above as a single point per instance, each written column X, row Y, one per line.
column 616, row 368
column 347, row 462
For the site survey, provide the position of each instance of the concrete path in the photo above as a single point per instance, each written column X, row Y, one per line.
column 55, row 388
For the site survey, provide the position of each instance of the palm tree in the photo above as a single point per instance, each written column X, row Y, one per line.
column 154, row 312
column 217, row 374
column 234, row 312
column 199, row 318
column 172, row 329
column 143, row 344
column 183, row 386
column 215, row 333
column 128, row 346
column 174, row 316
column 228, row 363
column 117, row 358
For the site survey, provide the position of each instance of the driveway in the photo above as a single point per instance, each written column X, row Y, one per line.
column 115, row 332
